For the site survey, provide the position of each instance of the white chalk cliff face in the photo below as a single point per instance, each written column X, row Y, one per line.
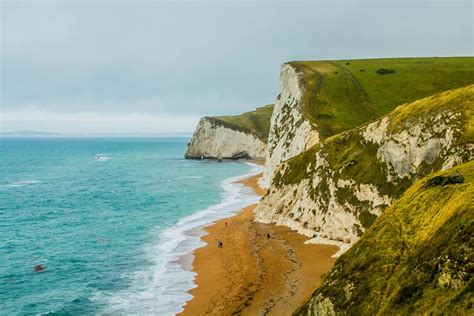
column 334, row 191
column 290, row 133
column 211, row 140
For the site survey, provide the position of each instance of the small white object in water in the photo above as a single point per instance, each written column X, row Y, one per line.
column 101, row 157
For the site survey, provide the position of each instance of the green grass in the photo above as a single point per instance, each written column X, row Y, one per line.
column 255, row 122
column 397, row 266
column 340, row 97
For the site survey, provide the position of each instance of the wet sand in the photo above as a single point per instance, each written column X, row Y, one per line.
column 253, row 274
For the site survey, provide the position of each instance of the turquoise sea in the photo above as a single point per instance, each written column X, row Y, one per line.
column 109, row 229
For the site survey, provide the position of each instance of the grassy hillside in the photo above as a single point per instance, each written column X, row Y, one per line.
column 341, row 95
column 417, row 258
column 255, row 122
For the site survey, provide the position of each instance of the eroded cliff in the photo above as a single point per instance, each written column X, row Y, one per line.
column 290, row 132
column 231, row 137
column 335, row 190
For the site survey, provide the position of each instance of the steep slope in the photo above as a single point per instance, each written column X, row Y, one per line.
column 231, row 137
column 336, row 189
column 417, row 258
column 319, row 99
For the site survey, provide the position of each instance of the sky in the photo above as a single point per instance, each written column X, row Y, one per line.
column 157, row 67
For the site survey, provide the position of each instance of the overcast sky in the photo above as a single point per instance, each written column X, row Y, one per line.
column 156, row 67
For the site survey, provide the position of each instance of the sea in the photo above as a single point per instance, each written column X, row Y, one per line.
column 109, row 220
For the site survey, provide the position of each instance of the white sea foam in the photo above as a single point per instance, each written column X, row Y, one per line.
column 162, row 289
column 101, row 157
column 20, row 183
column 192, row 177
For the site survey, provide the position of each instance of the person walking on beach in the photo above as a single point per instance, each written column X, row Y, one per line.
column 268, row 235
column 219, row 244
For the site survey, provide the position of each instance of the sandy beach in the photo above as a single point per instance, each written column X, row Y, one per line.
column 260, row 269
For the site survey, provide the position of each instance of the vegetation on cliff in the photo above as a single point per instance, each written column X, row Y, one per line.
column 255, row 122
column 385, row 157
column 343, row 94
column 417, row 258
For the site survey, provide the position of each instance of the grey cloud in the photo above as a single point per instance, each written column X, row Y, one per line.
column 200, row 58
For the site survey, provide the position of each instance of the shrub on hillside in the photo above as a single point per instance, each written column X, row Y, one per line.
column 384, row 71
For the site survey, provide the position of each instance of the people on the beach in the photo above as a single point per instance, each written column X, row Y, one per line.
column 219, row 244
column 225, row 224
column 268, row 235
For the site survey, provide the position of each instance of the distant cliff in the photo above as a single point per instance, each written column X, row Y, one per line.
column 231, row 137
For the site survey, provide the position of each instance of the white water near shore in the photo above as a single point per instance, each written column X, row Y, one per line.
column 163, row 288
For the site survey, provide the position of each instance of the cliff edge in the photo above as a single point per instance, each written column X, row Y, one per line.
column 319, row 99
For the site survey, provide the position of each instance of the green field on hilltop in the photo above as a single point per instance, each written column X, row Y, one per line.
column 417, row 258
column 341, row 95
column 255, row 122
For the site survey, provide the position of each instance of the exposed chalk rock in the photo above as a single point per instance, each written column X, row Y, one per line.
column 333, row 192
column 290, row 133
column 213, row 141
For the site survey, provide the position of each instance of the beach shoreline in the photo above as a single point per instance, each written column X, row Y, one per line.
column 260, row 267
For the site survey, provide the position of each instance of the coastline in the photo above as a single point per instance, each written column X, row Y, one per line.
column 163, row 286
column 252, row 273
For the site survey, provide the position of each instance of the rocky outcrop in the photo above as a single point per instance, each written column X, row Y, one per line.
column 214, row 140
column 335, row 190
column 290, row 132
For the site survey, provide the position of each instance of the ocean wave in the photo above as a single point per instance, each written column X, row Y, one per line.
column 162, row 289
column 192, row 177
column 21, row 183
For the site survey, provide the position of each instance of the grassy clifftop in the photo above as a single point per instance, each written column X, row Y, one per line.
column 418, row 257
column 341, row 95
column 255, row 122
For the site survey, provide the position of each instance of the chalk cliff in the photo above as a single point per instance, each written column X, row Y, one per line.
column 212, row 140
column 290, row 132
column 231, row 137
column 319, row 99
column 335, row 190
